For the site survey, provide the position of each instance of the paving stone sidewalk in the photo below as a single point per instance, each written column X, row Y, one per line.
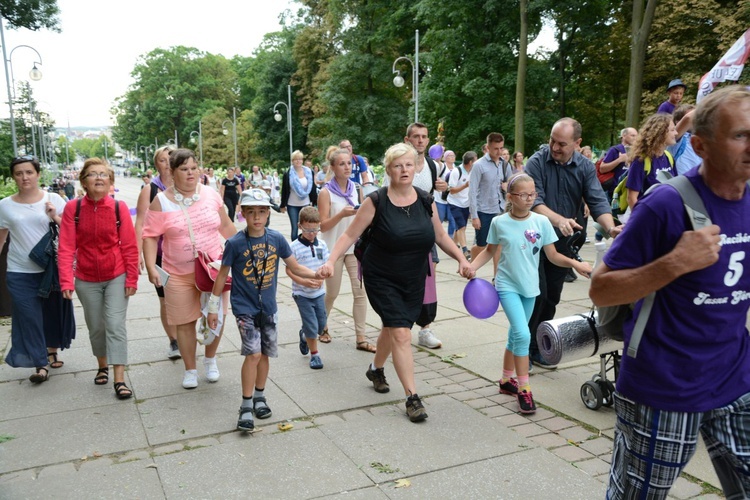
column 68, row 438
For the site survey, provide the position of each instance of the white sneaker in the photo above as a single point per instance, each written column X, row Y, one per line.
column 174, row 350
column 212, row 370
column 427, row 339
column 190, row 379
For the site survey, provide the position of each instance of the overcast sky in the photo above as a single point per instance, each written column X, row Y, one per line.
column 88, row 64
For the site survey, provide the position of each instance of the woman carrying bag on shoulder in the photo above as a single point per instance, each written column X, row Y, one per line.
column 191, row 219
column 41, row 325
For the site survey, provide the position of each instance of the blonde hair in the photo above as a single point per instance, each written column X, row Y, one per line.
column 297, row 155
column 168, row 148
column 651, row 137
column 397, row 151
column 514, row 180
column 90, row 163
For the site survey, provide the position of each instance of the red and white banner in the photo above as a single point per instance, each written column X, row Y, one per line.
column 729, row 67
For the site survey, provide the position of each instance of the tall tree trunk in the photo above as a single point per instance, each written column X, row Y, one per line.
column 521, row 78
column 643, row 16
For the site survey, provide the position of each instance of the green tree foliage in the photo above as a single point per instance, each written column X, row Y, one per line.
column 688, row 38
column 357, row 99
column 269, row 73
column 471, row 71
column 91, row 147
column 172, row 90
column 30, row 14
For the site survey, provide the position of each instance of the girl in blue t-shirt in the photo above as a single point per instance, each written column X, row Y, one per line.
column 521, row 234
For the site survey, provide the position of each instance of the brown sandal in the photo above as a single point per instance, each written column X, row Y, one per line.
column 363, row 345
column 54, row 362
column 324, row 337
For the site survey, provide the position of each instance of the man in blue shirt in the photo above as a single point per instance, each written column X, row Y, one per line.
column 564, row 179
column 360, row 175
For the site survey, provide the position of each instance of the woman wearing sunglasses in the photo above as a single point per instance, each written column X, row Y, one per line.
column 41, row 326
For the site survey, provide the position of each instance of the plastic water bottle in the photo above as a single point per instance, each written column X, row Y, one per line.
column 601, row 249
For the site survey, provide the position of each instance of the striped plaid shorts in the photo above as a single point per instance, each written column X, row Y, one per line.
column 652, row 447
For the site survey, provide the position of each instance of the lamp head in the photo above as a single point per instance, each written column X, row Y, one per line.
column 398, row 80
column 277, row 116
column 226, row 132
column 35, row 73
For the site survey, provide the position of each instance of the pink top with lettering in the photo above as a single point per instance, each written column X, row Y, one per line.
column 177, row 256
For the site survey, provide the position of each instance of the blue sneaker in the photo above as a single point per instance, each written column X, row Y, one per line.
column 303, row 348
column 315, row 362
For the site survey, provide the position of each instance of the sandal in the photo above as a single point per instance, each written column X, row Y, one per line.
column 102, row 376
column 363, row 345
column 324, row 337
column 261, row 409
column 122, row 390
column 54, row 362
column 39, row 377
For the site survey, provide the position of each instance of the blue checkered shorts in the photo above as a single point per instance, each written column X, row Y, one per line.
column 652, row 447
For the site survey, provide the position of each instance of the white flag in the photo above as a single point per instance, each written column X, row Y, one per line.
column 729, row 67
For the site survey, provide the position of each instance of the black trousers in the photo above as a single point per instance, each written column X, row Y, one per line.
column 551, row 282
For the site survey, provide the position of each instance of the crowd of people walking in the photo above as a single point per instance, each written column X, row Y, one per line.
column 527, row 216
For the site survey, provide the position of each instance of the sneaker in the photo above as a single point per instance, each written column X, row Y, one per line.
column 190, row 379
column 315, row 362
column 261, row 409
column 570, row 276
column 531, row 367
column 467, row 254
column 245, row 422
column 427, row 339
column 510, row 387
column 303, row 348
column 174, row 351
column 536, row 358
column 526, row 402
column 415, row 409
column 212, row 370
column 377, row 377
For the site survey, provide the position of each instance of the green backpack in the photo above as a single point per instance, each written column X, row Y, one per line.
column 620, row 194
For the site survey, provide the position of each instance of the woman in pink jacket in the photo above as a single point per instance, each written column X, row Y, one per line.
column 98, row 245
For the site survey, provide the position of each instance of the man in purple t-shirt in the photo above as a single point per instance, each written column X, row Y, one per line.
column 691, row 374
column 616, row 158
column 676, row 90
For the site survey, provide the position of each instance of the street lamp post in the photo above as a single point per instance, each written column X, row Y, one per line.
column 145, row 150
column 35, row 74
column 398, row 80
column 199, row 133
column 234, row 132
column 277, row 116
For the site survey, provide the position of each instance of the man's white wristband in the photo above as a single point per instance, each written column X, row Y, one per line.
column 213, row 304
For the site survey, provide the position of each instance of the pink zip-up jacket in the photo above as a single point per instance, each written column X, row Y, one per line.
column 99, row 253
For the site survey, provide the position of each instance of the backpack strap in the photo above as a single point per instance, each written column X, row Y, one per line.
column 117, row 215
column 433, row 171
column 697, row 213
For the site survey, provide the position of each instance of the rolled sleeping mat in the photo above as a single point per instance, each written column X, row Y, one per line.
column 572, row 338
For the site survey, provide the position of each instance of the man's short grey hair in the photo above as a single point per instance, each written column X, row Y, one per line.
column 707, row 112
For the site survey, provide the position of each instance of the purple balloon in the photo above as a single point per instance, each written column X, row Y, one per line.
column 132, row 211
column 436, row 151
column 480, row 298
